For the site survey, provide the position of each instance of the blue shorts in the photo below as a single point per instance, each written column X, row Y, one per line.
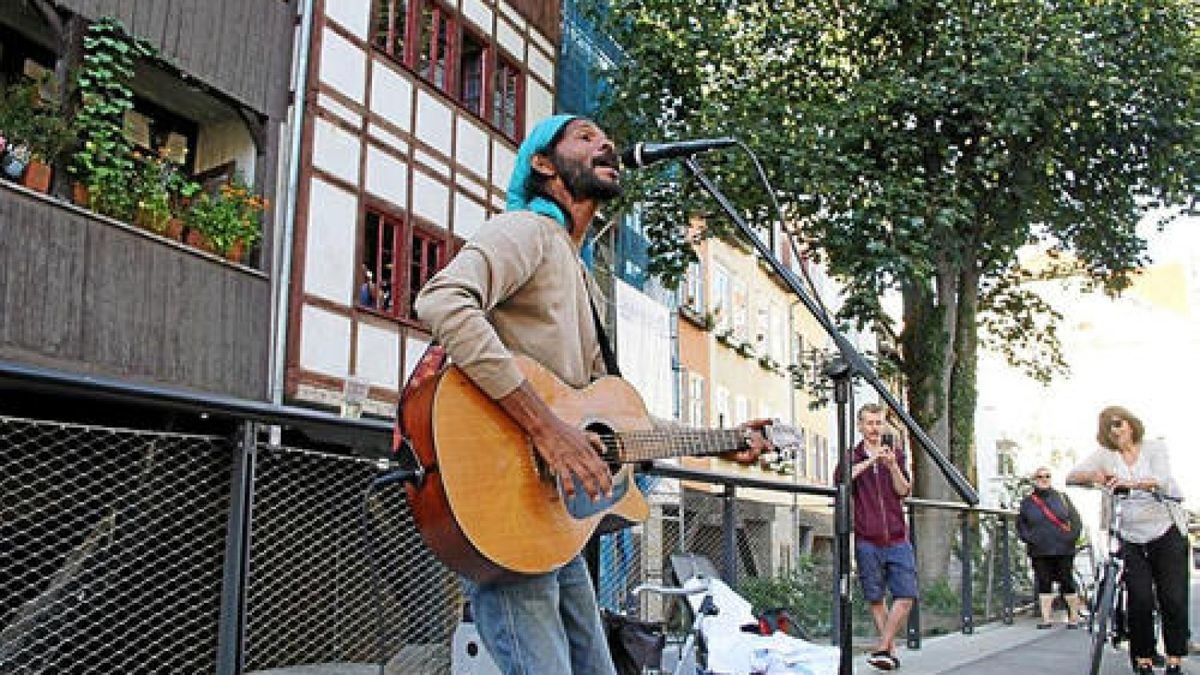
column 894, row 565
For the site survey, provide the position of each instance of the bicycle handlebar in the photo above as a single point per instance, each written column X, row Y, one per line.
column 694, row 589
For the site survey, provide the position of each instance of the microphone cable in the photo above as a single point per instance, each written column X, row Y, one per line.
column 762, row 176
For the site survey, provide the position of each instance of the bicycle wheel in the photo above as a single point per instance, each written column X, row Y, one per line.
column 1105, row 596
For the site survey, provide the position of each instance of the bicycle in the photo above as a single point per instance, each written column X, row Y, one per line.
column 685, row 658
column 1104, row 605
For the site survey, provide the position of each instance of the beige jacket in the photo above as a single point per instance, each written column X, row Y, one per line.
column 517, row 287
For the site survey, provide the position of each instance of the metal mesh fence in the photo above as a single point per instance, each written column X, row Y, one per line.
column 111, row 545
column 324, row 571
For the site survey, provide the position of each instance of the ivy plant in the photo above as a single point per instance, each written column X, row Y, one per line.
column 104, row 161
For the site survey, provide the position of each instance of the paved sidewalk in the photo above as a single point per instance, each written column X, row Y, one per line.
column 1019, row 649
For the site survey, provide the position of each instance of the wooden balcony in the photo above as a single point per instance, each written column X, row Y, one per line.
column 86, row 293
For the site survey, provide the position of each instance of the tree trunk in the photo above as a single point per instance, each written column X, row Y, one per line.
column 927, row 343
column 963, row 393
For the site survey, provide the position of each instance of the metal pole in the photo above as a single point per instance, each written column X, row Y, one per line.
column 914, row 616
column 231, row 628
column 968, row 610
column 1006, row 579
column 839, row 372
column 729, row 532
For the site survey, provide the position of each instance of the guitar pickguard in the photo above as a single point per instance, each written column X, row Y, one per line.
column 582, row 506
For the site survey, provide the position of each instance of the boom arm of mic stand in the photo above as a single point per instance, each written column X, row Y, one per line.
column 857, row 363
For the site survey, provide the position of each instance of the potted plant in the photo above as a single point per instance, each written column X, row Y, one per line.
column 161, row 192
column 229, row 221
column 36, row 134
column 104, row 161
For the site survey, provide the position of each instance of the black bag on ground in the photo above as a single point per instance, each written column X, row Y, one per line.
column 634, row 644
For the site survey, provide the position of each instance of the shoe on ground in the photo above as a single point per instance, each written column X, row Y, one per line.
column 1072, row 625
column 1044, row 625
column 882, row 660
column 1147, row 669
column 1174, row 669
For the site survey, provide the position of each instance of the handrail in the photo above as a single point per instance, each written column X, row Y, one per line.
column 372, row 436
column 958, row 506
column 668, row 470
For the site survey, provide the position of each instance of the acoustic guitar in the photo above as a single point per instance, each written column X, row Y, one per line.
column 486, row 504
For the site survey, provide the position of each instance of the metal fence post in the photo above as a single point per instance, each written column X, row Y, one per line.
column 968, row 604
column 729, row 533
column 914, row 616
column 1006, row 573
column 231, row 631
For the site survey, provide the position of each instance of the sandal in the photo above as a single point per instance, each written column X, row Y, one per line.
column 882, row 660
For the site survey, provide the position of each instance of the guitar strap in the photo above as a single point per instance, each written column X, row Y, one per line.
column 606, row 350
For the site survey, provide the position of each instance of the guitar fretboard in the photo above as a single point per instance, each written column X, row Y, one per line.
column 642, row 446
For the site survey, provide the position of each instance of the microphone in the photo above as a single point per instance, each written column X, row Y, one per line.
column 645, row 154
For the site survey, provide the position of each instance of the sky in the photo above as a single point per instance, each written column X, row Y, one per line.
column 1141, row 350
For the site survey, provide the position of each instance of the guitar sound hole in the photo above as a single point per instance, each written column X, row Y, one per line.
column 609, row 437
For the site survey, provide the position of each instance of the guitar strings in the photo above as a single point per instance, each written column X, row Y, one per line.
column 636, row 446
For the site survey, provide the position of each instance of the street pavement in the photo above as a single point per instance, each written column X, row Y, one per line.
column 1020, row 649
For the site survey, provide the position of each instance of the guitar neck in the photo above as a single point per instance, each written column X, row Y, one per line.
column 642, row 446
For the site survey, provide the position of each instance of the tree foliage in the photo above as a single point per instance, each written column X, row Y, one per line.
column 917, row 146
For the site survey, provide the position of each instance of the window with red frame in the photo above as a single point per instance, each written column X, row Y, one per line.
column 391, row 27
column 506, row 98
column 397, row 261
column 472, row 72
column 429, row 39
column 427, row 255
column 435, row 44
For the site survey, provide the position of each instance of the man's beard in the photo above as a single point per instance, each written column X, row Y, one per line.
column 581, row 180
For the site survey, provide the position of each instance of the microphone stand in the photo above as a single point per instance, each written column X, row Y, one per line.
column 852, row 364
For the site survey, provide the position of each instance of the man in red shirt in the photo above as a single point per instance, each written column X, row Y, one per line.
column 882, row 552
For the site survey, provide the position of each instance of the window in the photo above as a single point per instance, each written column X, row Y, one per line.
column 429, row 38
column 391, row 274
column 722, row 407
column 391, row 27
column 472, row 72
column 721, row 298
column 427, row 254
column 741, row 311
column 691, row 291
column 506, row 98
column 695, row 401
column 377, row 281
column 434, row 45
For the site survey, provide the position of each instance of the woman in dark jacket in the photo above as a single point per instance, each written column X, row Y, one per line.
column 1049, row 525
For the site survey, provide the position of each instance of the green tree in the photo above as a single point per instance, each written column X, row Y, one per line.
column 917, row 146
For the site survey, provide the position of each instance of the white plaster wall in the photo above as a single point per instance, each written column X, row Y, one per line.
column 353, row 15
column 540, row 40
column 378, row 356
column 387, row 139
column 343, row 66
column 431, row 199
column 539, row 103
column 513, row 15
column 510, row 40
column 324, row 342
column 502, row 164
column 413, row 349
column 227, row 141
column 478, row 14
column 336, row 150
column 433, row 122
column 541, row 64
column 472, row 150
column 391, row 95
column 468, row 216
column 329, row 246
column 327, row 103
column 387, row 177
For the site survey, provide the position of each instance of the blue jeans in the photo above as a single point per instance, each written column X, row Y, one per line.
column 543, row 625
